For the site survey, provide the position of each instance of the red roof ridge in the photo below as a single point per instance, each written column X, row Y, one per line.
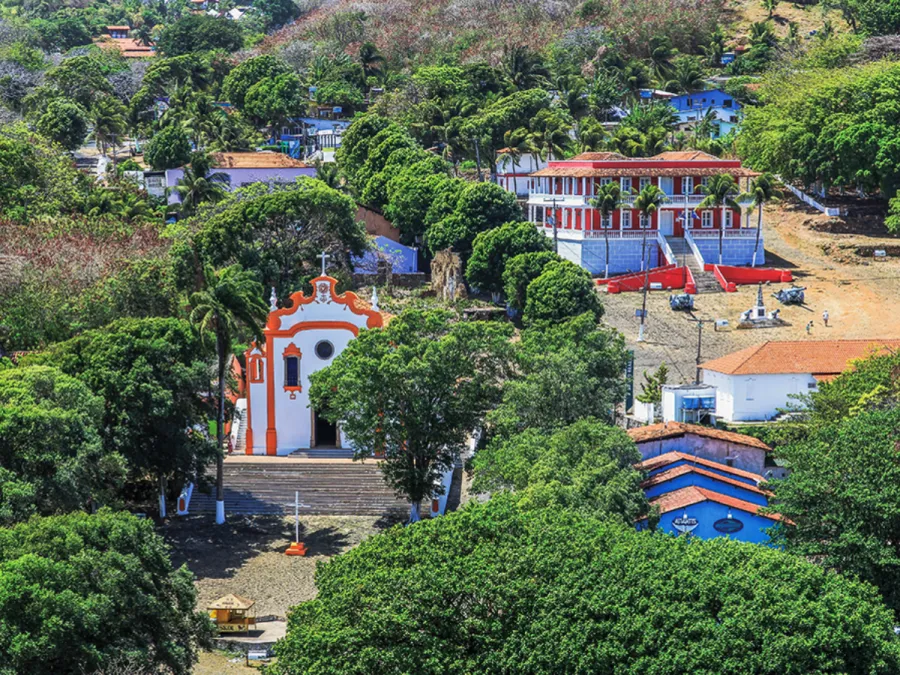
column 687, row 496
column 674, row 472
column 663, row 430
column 652, row 463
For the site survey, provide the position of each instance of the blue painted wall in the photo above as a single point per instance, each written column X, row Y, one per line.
column 734, row 251
column 405, row 259
column 708, row 513
column 704, row 100
column 709, row 483
column 624, row 255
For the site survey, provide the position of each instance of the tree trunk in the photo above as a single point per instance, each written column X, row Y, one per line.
column 721, row 234
column 162, row 496
column 220, row 432
column 413, row 513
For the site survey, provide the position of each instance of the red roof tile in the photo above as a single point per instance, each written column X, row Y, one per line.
column 655, row 432
column 819, row 357
column 597, row 156
column 560, row 169
column 255, row 160
column 653, row 463
column 679, row 499
column 669, row 474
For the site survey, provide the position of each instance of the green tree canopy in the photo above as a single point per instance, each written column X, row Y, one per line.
column 414, row 390
column 94, row 593
column 576, row 365
column 51, row 458
column 520, row 271
column 244, row 75
column 587, row 465
column 168, row 149
column 278, row 234
column 64, row 122
column 273, row 99
column 356, row 143
column 494, row 589
column 151, row 374
column 479, row 207
column 563, row 290
column 199, row 33
column 492, row 249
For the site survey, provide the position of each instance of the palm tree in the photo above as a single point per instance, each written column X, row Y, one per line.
column 661, row 55
column 762, row 191
column 714, row 49
column 330, row 174
column 647, row 202
column 590, row 135
column 688, row 75
column 143, row 34
column 720, row 192
column 198, row 186
column 525, row 68
column 371, row 59
column 231, row 299
column 107, row 116
column 608, row 199
column 770, row 6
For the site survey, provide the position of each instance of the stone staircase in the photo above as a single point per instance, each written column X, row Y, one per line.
column 327, row 488
column 706, row 281
column 241, row 442
column 323, row 453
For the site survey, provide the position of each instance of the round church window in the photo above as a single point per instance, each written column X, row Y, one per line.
column 324, row 350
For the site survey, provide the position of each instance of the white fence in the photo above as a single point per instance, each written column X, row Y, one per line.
column 803, row 197
column 696, row 251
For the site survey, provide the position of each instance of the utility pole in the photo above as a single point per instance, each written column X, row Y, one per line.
column 700, row 323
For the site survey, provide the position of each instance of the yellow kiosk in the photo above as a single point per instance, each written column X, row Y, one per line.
column 233, row 614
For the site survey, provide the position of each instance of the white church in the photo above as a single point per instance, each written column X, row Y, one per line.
column 299, row 340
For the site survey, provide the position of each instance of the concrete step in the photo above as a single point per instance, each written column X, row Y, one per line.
column 323, row 453
column 325, row 488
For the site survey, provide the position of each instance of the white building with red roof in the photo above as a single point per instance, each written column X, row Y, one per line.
column 560, row 195
column 756, row 383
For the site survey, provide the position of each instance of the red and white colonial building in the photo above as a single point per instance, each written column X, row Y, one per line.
column 560, row 194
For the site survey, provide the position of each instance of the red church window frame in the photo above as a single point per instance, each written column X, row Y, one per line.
column 255, row 369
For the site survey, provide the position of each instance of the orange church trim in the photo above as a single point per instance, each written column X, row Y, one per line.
column 350, row 299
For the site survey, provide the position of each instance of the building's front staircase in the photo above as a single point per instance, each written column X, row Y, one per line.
column 705, row 281
column 327, row 487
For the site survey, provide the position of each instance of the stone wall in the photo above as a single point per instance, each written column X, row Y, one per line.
column 624, row 255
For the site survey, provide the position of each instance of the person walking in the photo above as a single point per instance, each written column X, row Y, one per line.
column 809, row 328
column 825, row 318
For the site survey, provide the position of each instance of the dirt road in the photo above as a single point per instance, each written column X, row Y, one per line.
column 862, row 296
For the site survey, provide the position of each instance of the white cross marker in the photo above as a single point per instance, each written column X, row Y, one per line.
column 324, row 256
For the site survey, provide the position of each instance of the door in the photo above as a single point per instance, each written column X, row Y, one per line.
column 667, row 222
column 667, row 185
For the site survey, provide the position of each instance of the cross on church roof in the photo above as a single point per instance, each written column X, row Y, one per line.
column 324, row 256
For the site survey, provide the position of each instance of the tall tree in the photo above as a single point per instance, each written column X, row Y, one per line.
column 371, row 59
column 721, row 192
column 231, row 301
column 412, row 392
column 607, row 201
column 492, row 249
column 525, row 68
column 648, row 203
column 198, row 186
column 762, row 191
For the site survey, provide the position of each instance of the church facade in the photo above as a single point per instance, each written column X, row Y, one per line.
column 299, row 340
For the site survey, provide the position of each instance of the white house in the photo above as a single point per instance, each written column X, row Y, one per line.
column 243, row 168
column 514, row 170
column 754, row 383
column 299, row 340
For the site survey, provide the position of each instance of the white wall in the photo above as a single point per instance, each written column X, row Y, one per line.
column 239, row 177
column 746, row 398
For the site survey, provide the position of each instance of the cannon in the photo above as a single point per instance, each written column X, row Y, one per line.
column 682, row 302
column 790, row 296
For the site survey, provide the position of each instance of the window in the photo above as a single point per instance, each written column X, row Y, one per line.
column 726, row 103
column 704, row 181
column 606, row 222
column 291, row 371
column 644, row 182
column 687, row 185
column 729, row 218
column 626, row 220
column 324, row 350
column 605, row 181
column 625, row 185
column 707, row 219
column 812, row 385
column 255, row 368
column 645, row 221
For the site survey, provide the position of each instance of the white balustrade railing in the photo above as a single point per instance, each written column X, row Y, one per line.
column 670, row 201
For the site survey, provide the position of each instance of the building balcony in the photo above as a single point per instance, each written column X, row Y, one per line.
column 627, row 201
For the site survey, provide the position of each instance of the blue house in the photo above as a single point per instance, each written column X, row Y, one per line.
column 693, row 107
column 698, row 480
column 403, row 259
